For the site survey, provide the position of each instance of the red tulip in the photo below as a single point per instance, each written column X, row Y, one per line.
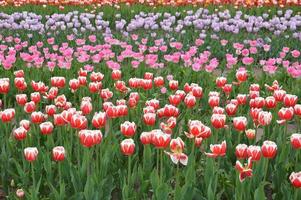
column 290, row 100
column 241, row 99
column 279, row 95
column 60, row 101
column 99, row 120
column 220, row 81
column 7, row 115
column 58, row 153
column 106, row 94
column 19, row 73
column 20, row 133
column 241, row 151
column 244, row 171
column 241, row 74
column 270, row 102
column 190, row 100
column 116, row 74
column 82, row 80
column 21, row 99
column 86, row 107
column 160, row 139
column 153, row 102
column 296, row 141
column 50, row 110
column 227, row 88
column 31, row 153
column 213, row 101
column 231, row 109
column 37, row 117
column 128, row 129
column 240, row 123
column 295, row 179
column 254, row 152
column 74, row 84
column 218, row 120
column 297, row 110
column 217, row 150
column 285, row 114
column 177, row 147
column 20, row 84
column 78, row 121
column 159, row 81
column 89, row 138
column 127, row 147
column 59, row 120
column 95, row 87
column 254, row 87
column 58, row 81
column 96, row 76
column 174, row 100
column 250, row 133
column 257, row 102
column 173, row 84
column 264, row 118
column 30, row 107
column 146, row 137
column 269, row 149
column 46, row 128
column 25, row 124
column 197, row 91
column 149, row 119
column 218, row 110
column 35, row 97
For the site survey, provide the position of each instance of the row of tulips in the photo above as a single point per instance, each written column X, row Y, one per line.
column 247, row 3
column 171, row 119
column 156, row 53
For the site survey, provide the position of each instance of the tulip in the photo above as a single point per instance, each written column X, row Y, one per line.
column 128, row 129
column 220, row 82
column 264, row 118
column 160, row 139
column 176, row 155
column 250, row 133
column 244, row 171
column 190, row 101
column 21, row 99
column 269, row 149
column 46, row 128
column 218, row 150
column 285, row 114
column 58, row 153
column 218, row 120
column 240, row 123
column 241, row 151
column 231, row 109
column 20, row 133
column 78, row 121
column 89, row 138
column 254, row 152
column 146, row 138
column 295, row 179
column 173, row 84
column 7, row 115
column 31, row 153
column 99, row 120
column 127, row 147
column 290, row 100
column 296, row 141
column 58, row 81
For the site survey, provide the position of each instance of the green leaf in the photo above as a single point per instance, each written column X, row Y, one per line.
column 162, row 192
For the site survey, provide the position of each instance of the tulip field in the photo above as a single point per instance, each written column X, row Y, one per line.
column 154, row 100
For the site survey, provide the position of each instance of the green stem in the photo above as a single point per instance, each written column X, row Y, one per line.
column 129, row 175
column 161, row 168
column 266, row 170
column 33, row 181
